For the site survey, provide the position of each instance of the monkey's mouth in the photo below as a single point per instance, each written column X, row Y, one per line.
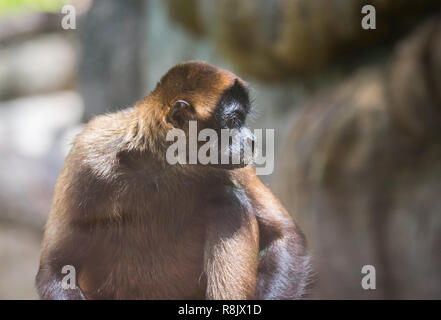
column 239, row 154
column 236, row 158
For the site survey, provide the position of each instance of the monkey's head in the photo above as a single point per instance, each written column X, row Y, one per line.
column 216, row 102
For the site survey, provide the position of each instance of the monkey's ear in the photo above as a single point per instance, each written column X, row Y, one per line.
column 181, row 112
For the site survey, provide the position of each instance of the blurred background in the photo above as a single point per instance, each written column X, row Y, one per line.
column 356, row 113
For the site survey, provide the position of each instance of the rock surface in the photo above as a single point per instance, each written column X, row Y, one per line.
column 278, row 39
column 361, row 171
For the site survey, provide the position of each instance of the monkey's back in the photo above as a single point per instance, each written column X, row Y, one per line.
column 139, row 239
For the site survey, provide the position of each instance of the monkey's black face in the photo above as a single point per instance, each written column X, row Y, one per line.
column 229, row 120
column 232, row 109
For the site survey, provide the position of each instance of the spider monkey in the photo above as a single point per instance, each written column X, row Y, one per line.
column 135, row 227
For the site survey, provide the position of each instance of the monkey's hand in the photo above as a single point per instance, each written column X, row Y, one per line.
column 231, row 252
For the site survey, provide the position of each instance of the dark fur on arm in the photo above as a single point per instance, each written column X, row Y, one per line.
column 231, row 248
column 284, row 268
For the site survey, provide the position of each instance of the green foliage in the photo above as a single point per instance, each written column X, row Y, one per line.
column 9, row 7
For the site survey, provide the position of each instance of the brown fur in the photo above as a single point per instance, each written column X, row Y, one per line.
column 135, row 227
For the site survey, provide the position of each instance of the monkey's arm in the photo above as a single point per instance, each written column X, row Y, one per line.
column 231, row 253
column 284, row 268
column 62, row 246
